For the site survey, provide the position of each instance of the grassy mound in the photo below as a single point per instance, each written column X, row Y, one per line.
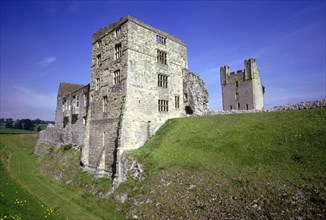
column 259, row 165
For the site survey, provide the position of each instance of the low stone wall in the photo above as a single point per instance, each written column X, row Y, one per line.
column 54, row 137
column 303, row 105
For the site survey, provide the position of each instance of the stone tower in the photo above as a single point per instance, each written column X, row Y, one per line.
column 139, row 80
column 136, row 85
column 242, row 90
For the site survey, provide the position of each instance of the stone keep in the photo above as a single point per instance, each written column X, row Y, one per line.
column 242, row 90
column 139, row 79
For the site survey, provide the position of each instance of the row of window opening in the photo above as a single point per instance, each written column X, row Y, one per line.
column 74, row 104
column 238, row 106
column 116, row 79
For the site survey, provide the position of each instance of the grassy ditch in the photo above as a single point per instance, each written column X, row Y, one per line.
column 70, row 202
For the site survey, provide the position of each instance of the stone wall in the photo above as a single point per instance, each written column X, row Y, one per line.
column 195, row 94
column 107, row 95
column 138, row 79
column 302, row 105
column 242, row 90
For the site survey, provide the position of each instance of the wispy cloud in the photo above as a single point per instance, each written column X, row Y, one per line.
column 23, row 102
column 45, row 62
column 30, row 98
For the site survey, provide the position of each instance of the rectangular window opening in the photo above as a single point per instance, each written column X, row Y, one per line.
column 105, row 103
column 64, row 103
column 237, row 95
column 98, row 59
column 162, row 81
column 177, row 101
column 230, row 107
column 238, row 105
column 161, row 57
column 185, row 97
column 118, row 31
column 74, row 118
column 117, row 51
column 85, row 100
column 247, row 106
column 97, row 86
column 77, row 102
column 65, row 121
column 236, row 84
column 116, row 77
column 163, row 105
column 160, row 39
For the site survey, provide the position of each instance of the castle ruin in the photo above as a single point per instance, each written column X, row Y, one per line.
column 242, row 90
column 139, row 80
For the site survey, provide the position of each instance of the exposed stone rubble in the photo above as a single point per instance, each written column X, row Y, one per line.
column 302, row 105
column 196, row 94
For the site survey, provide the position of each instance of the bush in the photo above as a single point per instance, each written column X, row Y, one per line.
column 67, row 147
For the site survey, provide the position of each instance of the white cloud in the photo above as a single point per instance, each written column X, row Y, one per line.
column 45, row 62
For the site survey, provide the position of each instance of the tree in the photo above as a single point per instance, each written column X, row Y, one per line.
column 28, row 124
column 9, row 124
column 18, row 124
column 39, row 129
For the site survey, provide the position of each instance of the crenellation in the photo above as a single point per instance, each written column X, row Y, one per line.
column 242, row 90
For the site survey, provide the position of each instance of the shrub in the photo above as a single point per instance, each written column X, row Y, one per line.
column 67, row 147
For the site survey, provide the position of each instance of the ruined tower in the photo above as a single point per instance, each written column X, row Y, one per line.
column 242, row 90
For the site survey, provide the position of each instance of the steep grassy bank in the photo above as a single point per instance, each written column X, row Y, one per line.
column 261, row 165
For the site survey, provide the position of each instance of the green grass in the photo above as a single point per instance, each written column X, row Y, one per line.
column 69, row 202
column 15, row 131
column 276, row 144
column 255, row 165
column 267, row 157
column 4, row 130
column 16, row 203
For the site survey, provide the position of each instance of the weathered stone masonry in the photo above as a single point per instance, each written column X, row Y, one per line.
column 139, row 79
column 242, row 90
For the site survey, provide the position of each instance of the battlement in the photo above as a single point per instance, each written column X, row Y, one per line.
column 249, row 72
column 242, row 89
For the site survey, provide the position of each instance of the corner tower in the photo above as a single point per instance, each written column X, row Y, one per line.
column 242, row 90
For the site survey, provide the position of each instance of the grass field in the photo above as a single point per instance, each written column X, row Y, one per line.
column 15, row 131
column 67, row 202
column 4, row 130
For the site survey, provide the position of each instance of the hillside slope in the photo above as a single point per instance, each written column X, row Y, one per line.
column 259, row 165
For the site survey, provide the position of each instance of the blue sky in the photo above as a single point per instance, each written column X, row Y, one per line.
column 46, row 42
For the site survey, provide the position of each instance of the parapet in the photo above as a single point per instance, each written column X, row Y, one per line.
column 108, row 29
column 249, row 72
